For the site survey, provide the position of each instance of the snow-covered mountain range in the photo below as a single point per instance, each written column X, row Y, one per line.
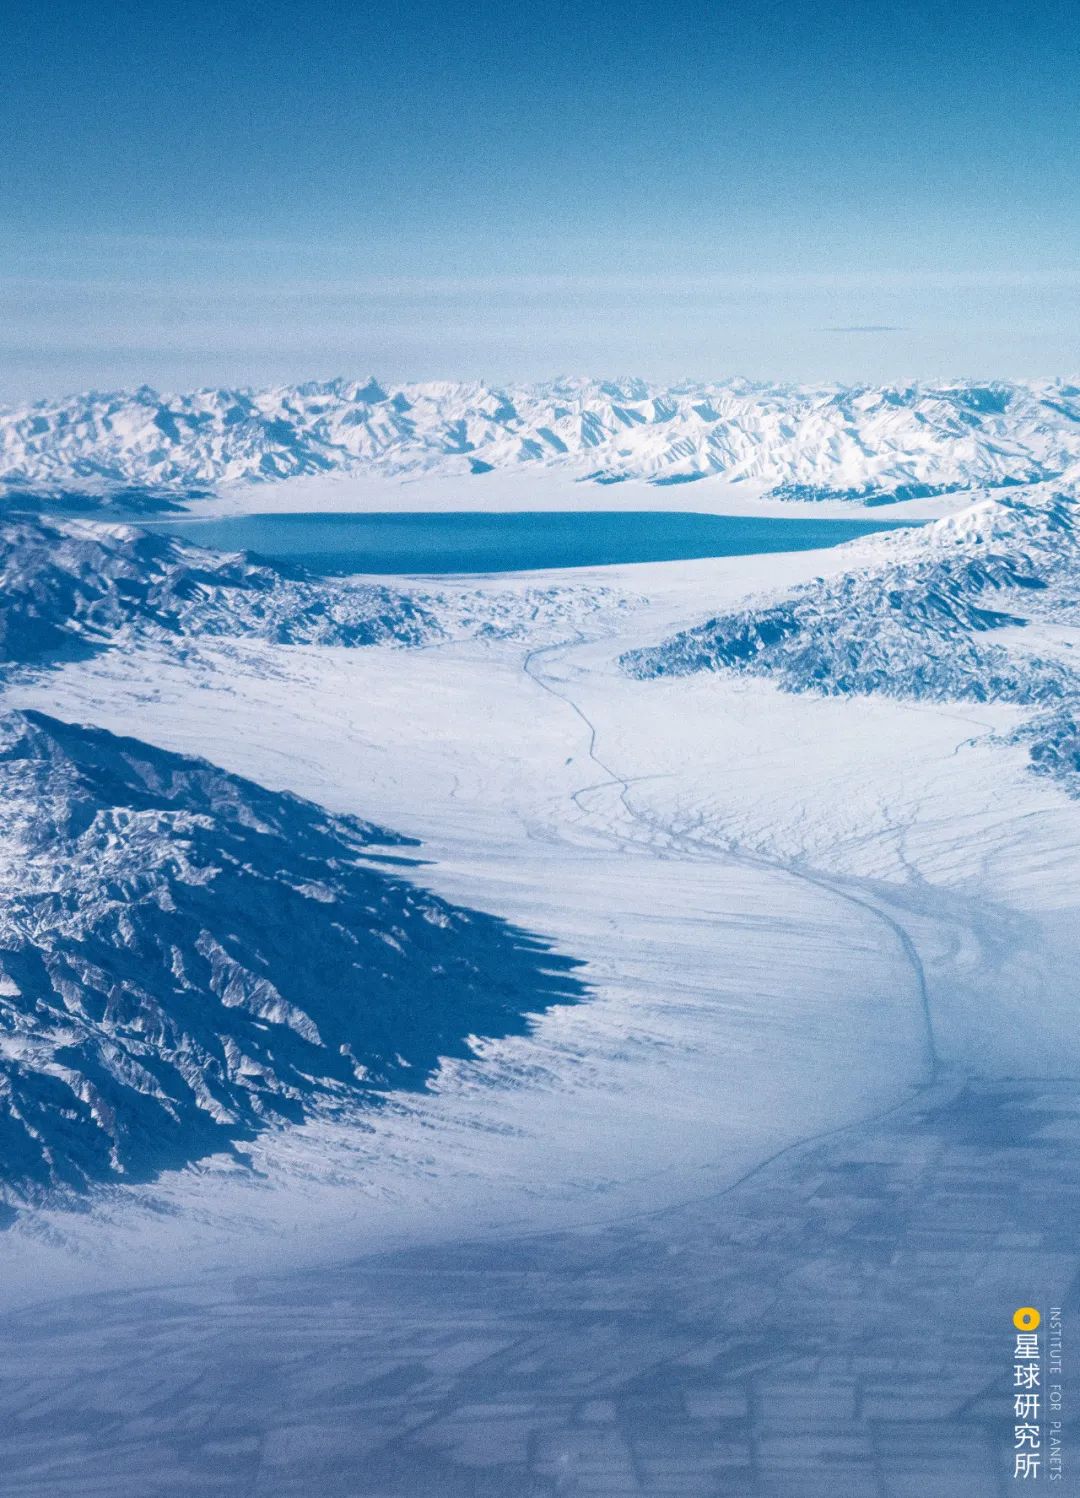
column 888, row 442
column 187, row 958
column 914, row 614
column 981, row 606
column 70, row 583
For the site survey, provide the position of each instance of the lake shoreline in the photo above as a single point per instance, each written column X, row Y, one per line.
column 485, row 543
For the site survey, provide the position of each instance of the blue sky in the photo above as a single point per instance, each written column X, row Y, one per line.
column 203, row 193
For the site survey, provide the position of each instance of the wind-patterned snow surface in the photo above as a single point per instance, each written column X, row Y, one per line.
column 888, row 443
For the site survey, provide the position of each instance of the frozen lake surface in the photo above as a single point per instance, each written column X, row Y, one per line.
column 457, row 542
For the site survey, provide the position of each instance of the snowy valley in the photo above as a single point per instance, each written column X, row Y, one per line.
column 408, row 957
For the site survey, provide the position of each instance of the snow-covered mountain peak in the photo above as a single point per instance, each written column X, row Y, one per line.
column 799, row 441
column 1024, row 517
column 932, row 613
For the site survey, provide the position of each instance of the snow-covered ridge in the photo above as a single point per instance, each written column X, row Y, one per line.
column 73, row 581
column 74, row 584
column 186, row 958
column 890, row 442
column 980, row 606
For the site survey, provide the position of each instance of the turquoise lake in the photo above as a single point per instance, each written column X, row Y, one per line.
column 459, row 542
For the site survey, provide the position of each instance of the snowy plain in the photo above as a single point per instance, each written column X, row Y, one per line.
column 744, row 871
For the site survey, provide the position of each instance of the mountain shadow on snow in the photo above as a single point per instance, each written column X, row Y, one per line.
column 187, row 959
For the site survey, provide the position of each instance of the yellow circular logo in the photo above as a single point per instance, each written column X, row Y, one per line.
column 1026, row 1319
